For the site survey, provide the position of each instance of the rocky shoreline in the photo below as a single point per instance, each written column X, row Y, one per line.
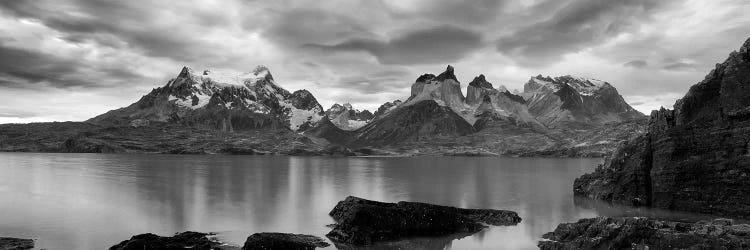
column 646, row 233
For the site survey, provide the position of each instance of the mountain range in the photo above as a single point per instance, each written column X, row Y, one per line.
column 556, row 116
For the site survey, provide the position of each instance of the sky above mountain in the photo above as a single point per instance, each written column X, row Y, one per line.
column 73, row 59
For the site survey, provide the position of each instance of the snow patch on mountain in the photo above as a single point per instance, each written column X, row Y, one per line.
column 298, row 117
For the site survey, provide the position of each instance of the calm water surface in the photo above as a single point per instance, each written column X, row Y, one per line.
column 93, row 201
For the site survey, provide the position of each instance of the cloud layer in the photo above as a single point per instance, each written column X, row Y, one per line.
column 91, row 56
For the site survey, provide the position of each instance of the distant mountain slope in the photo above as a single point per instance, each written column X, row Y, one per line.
column 386, row 107
column 569, row 100
column 222, row 101
column 423, row 119
column 490, row 104
column 347, row 117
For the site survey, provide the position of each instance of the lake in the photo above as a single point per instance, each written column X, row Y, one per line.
column 93, row 201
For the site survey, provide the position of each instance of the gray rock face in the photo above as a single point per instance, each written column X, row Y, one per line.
column 266, row 241
column 693, row 158
column 644, row 233
column 569, row 100
column 364, row 222
column 223, row 102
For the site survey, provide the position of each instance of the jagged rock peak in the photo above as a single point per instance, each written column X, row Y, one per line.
column 480, row 82
column 447, row 74
column 186, row 72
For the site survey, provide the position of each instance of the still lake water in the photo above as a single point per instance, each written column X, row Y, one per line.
column 93, row 201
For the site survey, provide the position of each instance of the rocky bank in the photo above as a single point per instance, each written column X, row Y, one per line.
column 645, row 233
column 694, row 158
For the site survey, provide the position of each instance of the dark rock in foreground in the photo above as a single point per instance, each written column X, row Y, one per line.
column 189, row 240
column 7, row 243
column 644, row 233
column 364, row 222
column 694, row 158
column 267, row 241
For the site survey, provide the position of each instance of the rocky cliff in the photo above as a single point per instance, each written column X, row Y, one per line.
column 693, row 158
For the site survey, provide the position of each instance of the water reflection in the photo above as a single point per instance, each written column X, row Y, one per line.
column 92, row 201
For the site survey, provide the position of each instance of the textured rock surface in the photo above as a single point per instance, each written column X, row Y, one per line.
column 643, row 233
column 268, row 241
column 693, row 158
column 7, row 243
column 185, row 240
column 364, row 222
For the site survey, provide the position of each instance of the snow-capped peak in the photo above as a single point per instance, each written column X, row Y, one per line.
column 582, row 85
column 227, row 77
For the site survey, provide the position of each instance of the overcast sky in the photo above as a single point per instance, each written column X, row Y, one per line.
column 74, row 59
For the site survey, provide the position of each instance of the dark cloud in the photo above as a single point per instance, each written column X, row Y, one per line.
column 443, row 44
column 378, row 82
column 298, row 27
column 636, row 64
column 19, row 67
column 574, row 27
column 123, row 24
column 679, row 66
column 477, row 12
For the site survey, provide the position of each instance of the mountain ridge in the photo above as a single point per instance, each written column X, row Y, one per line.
column 435, row 113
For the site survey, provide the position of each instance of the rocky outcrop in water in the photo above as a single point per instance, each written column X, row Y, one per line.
column 693, row 158
column 364, row 222
column 7, row 243
column 180, row 241
column 269, row 241
column 644, row 233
